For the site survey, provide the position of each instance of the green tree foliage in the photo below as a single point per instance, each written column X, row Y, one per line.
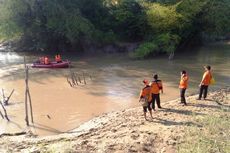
column 216, row 18
column 145, row 50
column 10, row 24
column 129, row 19
column 161, row 25
column 167, row 42
column 162, row 18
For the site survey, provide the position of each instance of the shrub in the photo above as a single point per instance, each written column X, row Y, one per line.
column 144, row 50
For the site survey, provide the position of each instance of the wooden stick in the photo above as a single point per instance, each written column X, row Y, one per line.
column 6, row 116
column 67, row 78
column 75, row 77
column 79, row 78
column 3, row 95
column 28, row 94
column 26, row 82
column 31, row 108
column 84, row 78
column 72, row 77
column 1, row 115
column 8, row 98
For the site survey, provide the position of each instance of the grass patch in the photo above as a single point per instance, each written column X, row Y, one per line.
column 212, row 137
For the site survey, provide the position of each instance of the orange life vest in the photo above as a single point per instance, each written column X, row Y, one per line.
column 58, row 58
column 42, row 60
column 206, row 78
column 156, row 86
column 47, row 60
column 183, row 82
column 146, row 93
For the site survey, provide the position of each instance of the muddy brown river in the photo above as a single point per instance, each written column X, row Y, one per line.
column 113, row 82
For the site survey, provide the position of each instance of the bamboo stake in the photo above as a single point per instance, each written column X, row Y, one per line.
column 6, row 102
column 84, row 78
column 6, row 116
column 72, row 77
column 31, row 108
column 79, row 79
column 75, row 77
column 28, row 94
column 67, row 78
column 26, row 82
column 1, row 115
column 3, row 95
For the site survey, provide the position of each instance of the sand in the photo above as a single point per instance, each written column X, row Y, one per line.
column 126, row 130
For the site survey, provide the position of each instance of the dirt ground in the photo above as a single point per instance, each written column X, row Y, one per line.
column 127, row 130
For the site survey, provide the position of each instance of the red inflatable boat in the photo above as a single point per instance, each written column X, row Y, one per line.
column 63, row 64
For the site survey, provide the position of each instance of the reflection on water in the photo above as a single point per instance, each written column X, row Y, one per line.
column 116, row 82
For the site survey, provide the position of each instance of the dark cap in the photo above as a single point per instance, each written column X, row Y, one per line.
column 208, row 67
column 155, row 76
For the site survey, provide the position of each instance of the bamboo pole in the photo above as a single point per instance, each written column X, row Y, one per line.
column 26, row 82
column 28, row 94
column 73, row 80
column 3, row 96
column 75, row 77
column 84, row 77
column 6, row 116
column 67, row 78
column 79, row 79
column 6, row 102
column 1, row 115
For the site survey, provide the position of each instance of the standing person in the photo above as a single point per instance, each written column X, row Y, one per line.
column 147, row 97
column 207, row 76
column 183, row 86
column 156, row 87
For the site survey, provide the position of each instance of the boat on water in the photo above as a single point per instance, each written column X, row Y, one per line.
column 62, row 64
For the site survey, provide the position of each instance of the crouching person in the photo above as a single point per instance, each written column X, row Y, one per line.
column 146, row 98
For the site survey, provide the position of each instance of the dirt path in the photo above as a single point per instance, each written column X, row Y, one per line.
column 127, row 131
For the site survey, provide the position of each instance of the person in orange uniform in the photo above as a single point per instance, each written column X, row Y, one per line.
column 156, row 87
column 46, row 60
column 42, row 60
column 206, row 79
column 183, row 86
column 58, row 58
column 146, row 95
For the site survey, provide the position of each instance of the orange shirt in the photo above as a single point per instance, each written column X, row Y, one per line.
column 146, row 93
column 47, row 60
column 156, row 86
column 206, row 78
column 183, row 82
column 58, row 58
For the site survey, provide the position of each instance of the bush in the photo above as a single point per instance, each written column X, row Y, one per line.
column 167, row 42
column 144, row 50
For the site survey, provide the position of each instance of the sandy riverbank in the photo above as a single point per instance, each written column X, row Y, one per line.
column 127, row 131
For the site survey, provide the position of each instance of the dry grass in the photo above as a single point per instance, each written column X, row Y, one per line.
column 212, row 137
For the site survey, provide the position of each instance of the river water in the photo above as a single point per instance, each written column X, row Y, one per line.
column 113, row 82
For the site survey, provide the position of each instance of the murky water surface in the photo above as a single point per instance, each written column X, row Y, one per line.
column 113, row 82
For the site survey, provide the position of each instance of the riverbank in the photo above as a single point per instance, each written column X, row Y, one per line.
column 127, row 131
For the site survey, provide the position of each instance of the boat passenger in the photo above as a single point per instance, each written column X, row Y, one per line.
column 46, row 60
column 42, row 60
column 58, row 58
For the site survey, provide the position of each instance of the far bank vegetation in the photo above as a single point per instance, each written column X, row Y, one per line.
column 157, row 26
